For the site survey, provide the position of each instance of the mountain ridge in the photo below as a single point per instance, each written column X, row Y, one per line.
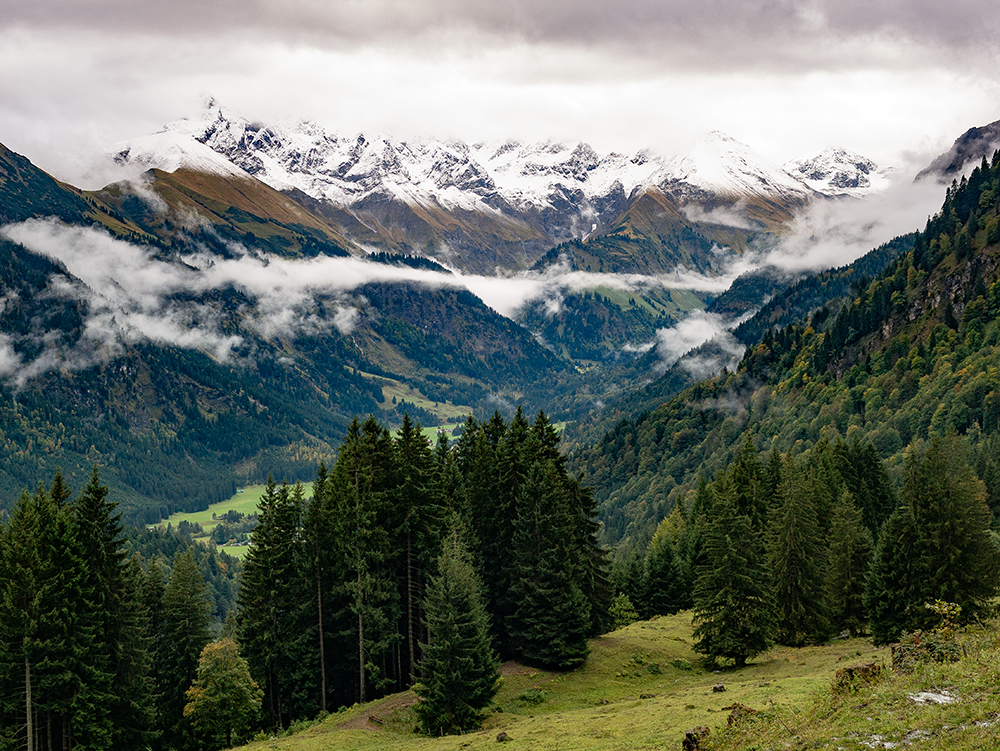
column 502, row 203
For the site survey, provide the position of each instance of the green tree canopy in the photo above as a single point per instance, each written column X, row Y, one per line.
column 939, row 546
column 224, row 699
column 734, row 614
column 460, row 667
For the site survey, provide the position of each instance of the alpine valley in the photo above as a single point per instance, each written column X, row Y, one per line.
column 676, row 383
column 223, row 310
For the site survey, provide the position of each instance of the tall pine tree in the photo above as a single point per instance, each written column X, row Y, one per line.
column 460, row 671
column 734, row 613
column 797, row 557
column 551, row 619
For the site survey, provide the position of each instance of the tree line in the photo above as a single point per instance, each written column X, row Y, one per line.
column 333, row 607
column 405, row 562
column 97, row 647
column 797, row 549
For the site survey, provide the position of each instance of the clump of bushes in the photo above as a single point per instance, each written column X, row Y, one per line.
column 934, row 645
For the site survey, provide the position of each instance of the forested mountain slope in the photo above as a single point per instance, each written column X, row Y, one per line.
column 182, row 387
column 913, row 355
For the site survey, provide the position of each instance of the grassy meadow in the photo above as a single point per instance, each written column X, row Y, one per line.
column 643, row 687
column 245, row 501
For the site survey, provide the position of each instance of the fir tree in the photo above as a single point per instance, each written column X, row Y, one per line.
column 116, row 615
column 322, row 570
column 866, row 478
column 747, row 484
column 551, row 620
column 939, row 547
column 664, row 586
column 797, row 560
column 360, row 495
column 889, row 592
column 460, row 670
column 270, row 602
column 850, row 553
column 734, row 614
column 417, row 524
column 183, row 634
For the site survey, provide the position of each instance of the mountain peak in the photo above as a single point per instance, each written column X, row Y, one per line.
column 838, row 172
column 718, row 163
column 967, row 151
column 171, row 150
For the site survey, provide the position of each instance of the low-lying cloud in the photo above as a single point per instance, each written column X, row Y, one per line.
column 675, row 344
column 132, row 295
column 834, row 233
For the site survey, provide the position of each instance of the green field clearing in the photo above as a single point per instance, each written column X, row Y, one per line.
column 641, row 688
column 398, row 390
column 245, row 502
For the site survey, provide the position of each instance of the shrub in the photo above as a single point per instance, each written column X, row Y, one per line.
column 934, row 645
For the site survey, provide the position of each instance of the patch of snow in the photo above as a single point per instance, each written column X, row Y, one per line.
column 933, row 697
column 169, row 151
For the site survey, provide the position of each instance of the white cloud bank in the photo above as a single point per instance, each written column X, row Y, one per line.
column 133, row 296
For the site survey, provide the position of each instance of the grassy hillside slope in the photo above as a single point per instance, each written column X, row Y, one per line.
column 641, row 688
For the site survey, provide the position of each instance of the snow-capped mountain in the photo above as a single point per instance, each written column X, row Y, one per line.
column 495, row 203
column 720, row 165
column 836, row 172
column 169, row 151
column 346, row 170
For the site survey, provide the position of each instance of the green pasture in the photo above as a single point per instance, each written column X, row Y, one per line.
column 641, row 688
column 245, row 502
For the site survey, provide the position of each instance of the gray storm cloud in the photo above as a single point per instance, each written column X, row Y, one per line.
column 780, row 74
column 688, row 24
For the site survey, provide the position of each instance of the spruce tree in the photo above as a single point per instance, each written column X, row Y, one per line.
column 499, row 510
column 797, row 557
column 938, row 548
column 890, row 596
column 417, row 523
column 551, row 619
column 271, row 603
column 734, row 613
column 850, row 553
column 322, row 573
column 360, row 496
column 116, row 616
column 184, row 632
column 53, row 676
column 664, row 587
column 747, row 483
column 460, row 670
column 869, row 483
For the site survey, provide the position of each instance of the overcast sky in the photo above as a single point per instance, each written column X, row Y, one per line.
column 890, row 79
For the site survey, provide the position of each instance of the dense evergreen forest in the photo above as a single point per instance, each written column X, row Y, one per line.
column 332, row 608
column 797, row 549
column 344, row 596
column 910, row 354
